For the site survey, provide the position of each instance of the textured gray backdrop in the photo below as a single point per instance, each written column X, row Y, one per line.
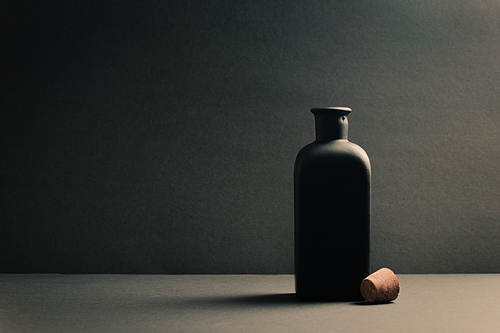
column 160, row 136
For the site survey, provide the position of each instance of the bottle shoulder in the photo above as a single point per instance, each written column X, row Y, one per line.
column 332, row 151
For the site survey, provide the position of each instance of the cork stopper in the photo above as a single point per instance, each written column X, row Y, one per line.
column 380, row 287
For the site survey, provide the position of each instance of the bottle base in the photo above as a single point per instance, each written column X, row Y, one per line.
column 329, row 298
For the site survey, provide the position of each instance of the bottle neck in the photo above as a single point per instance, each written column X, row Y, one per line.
column 331, row 124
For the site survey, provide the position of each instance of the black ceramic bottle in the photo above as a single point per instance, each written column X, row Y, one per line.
column 332, row 212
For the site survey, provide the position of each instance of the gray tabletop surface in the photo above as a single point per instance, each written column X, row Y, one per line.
column 238, row 303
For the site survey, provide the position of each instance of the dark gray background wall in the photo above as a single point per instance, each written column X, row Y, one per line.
column 160, row 137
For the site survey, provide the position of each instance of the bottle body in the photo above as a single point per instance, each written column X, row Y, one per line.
column 332, row 214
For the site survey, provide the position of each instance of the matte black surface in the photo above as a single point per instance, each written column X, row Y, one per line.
column 332, row 213
column 160, row 136
column 244, row 303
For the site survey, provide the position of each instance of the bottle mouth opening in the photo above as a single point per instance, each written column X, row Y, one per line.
column 333, row 110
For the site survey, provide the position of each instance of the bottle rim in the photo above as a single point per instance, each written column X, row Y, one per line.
column 340, row 110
